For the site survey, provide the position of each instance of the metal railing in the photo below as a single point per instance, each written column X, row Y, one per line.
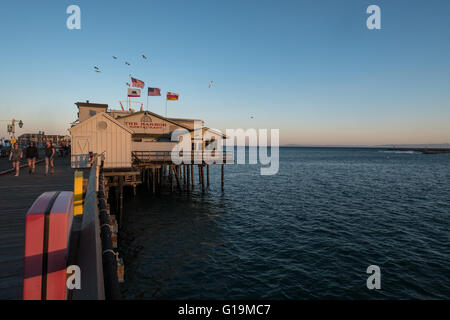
column 89, row 253
column 187, row 157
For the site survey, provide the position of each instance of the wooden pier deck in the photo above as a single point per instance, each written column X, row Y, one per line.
column 17, row 194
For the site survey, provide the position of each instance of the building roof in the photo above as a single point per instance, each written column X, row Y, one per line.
column 91, row 105
column 108, row 117
column 215, row 132
column 184, row 119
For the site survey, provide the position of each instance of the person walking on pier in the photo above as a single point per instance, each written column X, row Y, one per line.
column 49, row 153
column 31, row 153
column 16, row 154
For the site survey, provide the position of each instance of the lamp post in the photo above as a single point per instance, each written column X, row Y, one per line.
column 12, row 127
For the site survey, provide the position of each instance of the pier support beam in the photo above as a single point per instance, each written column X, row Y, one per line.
column 223, row 176
column 188, row 177
column 177, row 177
column 154, row 180
column 120, row 200
column 147, row 178
column 170, row 178
column 207, row 175
column 202, row 179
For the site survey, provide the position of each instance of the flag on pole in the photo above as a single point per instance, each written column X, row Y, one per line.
column 154, row 91
column 121, row 106
column 137, row 83
column 172, row 96
column 134, row 92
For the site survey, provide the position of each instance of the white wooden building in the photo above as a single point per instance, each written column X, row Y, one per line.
column 101, row 134
column 123, row 135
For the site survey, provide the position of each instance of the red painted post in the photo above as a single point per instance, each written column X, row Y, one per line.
column 34, row 240
column 61, row 216
column 47, row 231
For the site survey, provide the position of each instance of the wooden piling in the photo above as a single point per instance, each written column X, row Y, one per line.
column 207, row 175
column 170, row 178
column 134, row 185
column 188, row 177
column 121, row 200
column 117, row 196
column 202, row 179
column 192, row 175
column 154, row 180
column 177, row 176
column 223, row 176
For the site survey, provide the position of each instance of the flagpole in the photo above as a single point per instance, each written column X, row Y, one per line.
column 166, row 104
column 164, row 128
column 147, row 99
column 129, row 98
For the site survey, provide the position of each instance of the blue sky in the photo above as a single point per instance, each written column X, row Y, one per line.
column 309, row 68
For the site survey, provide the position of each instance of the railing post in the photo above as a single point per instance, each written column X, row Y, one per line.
column 78, row 193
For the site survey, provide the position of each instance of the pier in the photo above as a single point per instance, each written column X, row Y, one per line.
column 53, row 225
column 17, row 194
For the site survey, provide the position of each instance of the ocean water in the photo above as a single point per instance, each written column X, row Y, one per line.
column 309, row 232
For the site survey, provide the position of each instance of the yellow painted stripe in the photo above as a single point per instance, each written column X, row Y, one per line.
column 78, row 193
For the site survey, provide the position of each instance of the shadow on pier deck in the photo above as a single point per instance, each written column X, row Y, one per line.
column 17, row 194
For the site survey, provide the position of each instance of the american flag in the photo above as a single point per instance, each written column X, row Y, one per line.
column 137, row 83
column 154, row 91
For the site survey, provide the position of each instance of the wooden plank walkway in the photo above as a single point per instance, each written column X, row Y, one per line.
column 17, row 194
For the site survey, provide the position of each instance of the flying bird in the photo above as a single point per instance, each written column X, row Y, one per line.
column 127, row 63
column 95, row 67
column 143, row 56
column 97, row 71
column 114, row 57
column 210, row 84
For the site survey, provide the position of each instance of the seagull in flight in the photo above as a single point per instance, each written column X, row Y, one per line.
column 143, row 56
column 114, row 57
column 127, row 63
column 210, row 84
